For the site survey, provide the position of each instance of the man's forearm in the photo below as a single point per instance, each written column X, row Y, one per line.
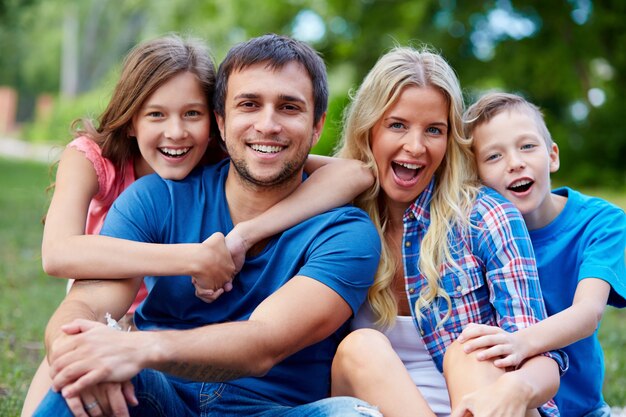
column 78, row 304
column 69, row 310
column 211, row 353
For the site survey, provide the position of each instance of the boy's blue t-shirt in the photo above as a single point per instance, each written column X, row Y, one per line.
column 586, row 240
column 339, row 248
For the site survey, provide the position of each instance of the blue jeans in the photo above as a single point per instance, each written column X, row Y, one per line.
column 162, row 396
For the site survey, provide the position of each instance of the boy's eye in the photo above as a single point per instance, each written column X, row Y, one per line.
column 492, row 157
column 528, row 146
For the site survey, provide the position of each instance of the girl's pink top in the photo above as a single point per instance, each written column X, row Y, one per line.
column 111, row 183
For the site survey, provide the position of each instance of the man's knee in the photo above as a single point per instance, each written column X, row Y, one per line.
column 348, row 407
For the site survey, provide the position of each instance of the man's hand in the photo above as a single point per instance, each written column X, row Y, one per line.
column 93, row 353
column 506, row 349
column 107, row 399
column 216, row 269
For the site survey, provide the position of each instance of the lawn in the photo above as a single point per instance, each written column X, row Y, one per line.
column 28, row 296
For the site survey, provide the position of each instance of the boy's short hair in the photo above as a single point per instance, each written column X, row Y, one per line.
column 494, row 103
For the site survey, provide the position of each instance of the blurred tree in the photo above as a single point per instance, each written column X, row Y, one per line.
column 566, row 56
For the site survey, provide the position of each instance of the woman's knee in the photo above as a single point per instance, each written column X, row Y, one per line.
column 360, row 346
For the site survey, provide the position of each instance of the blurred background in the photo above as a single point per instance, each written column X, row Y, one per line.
column 60, row 58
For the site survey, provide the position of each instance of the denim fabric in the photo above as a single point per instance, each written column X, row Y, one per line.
column 163, row 396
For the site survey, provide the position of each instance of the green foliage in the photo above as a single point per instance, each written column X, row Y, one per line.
column 56, row 127
column 569, row 51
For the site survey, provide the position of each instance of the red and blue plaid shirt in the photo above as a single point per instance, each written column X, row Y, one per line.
column 497, row 284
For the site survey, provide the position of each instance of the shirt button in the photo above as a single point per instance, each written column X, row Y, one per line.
column 411, row 216
column 422, row 332
column 407, row 244
column 411, row 290
column 459, row 288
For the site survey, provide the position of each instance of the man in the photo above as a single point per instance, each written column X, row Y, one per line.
column 273, row 336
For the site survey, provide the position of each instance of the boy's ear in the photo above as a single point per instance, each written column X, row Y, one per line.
column 554, row 158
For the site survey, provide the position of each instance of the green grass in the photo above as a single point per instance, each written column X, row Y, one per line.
column 28, row 296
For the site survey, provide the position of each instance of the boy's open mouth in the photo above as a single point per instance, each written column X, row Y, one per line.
column 520, row 186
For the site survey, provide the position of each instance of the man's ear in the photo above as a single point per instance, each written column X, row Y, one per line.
column 220, row 124
column 555, row 163
column 317, row 129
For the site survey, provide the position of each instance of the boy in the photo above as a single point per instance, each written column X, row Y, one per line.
column 579, row 243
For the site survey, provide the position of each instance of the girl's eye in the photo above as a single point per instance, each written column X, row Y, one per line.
column 155, row 114
column 193, row 113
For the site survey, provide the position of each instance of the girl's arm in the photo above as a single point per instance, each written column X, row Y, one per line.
column 68, row 252
column 333, row 182
column 576, row 322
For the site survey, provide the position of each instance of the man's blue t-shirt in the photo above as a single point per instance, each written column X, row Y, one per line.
column 586, row 240
column 339, row 248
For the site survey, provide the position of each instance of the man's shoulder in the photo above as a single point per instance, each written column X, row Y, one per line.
column 344, row 221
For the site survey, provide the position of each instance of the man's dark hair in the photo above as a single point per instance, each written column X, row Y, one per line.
column 276, row 51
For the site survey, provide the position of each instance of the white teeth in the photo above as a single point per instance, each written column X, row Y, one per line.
column 266, row 148
column 409, row 166
column 520, row 183
column 174, row 152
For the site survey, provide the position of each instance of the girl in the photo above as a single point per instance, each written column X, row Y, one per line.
column 159, row 120
column 453, row 254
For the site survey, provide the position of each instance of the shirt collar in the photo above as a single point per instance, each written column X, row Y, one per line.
column 419, row 210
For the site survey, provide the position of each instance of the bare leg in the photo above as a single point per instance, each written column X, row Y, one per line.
column 39, row 387
column 457, row 365
column 367, row 367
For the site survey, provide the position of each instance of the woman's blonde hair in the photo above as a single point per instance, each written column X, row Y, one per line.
column 456, row 182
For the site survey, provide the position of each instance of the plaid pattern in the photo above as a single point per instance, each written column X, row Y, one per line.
column 495, row 282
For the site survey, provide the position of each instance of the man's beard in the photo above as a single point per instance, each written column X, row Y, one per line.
column 289, row 170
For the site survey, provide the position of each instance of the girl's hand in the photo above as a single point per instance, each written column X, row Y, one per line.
column 507, row 349
column 215, row 272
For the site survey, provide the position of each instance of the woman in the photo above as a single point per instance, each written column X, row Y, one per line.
column 453, row 254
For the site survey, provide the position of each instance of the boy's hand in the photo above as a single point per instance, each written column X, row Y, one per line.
column 216, row 270
column 504, row 398
column 507, row 349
